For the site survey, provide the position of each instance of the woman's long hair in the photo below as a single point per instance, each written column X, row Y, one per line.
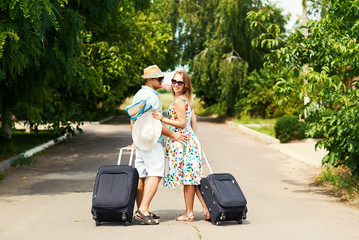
column 187, row 90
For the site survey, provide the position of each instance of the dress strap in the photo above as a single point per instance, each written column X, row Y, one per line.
column 187, row 104
column 184, row 100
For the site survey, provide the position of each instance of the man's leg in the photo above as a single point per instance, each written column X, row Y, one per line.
column 139, row 194
column 148, row 193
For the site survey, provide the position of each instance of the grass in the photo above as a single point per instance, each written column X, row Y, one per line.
column 248, row 120
column 267, row 130
column 22, row 141
column 265, row 126
column 343, row 183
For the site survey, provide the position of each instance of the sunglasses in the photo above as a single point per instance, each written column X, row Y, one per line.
column 160, row 79
column 179, row 83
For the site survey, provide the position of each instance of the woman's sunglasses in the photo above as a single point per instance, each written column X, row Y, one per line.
column 179, row 83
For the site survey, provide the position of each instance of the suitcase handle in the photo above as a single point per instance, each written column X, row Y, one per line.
column 209, row 167
column 120, row 155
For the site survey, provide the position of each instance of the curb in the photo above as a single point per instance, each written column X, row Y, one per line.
column 101, row 121
column 252, row 132
column 8, row 162
column 311, row 157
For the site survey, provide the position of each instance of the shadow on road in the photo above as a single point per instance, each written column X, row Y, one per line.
column 71, row 166
column 118, row 120
column 211, row 120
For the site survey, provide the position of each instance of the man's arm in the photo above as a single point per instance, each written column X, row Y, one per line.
column 177, row 136
column 132, row 146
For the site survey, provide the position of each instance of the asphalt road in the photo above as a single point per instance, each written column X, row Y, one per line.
column 52, row 199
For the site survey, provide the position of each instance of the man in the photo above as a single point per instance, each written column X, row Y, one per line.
column 150, row 163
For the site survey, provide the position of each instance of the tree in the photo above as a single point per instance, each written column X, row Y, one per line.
column 217, row 46
column 61, row 61
column 330, row 51
column 23, row 30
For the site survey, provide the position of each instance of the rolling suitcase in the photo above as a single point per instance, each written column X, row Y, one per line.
column 223, row 196
column 114, row 192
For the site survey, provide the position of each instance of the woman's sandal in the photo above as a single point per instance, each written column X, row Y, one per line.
column 207, row 216
column 185, row 218
column 145, row 219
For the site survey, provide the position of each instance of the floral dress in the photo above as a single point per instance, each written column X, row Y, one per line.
column 183, row 161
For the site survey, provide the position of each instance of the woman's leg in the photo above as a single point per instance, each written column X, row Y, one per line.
column 204, row 206
column 189, row 191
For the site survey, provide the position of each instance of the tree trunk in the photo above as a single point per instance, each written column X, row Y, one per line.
column 304, row 17
column 6, row 123
column 305, row 33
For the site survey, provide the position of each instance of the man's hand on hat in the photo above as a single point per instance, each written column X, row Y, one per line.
column 180, row 136
column 158, row 116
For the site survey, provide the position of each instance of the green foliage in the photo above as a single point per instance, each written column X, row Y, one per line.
column 64, row 61
column 344, row 182
column 288, row 128
column 216, row 40
column 329, row 55
column 2, row 176
column 23, row 161
column 258, row 100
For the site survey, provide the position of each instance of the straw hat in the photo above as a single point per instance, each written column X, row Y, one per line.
column 146, row 131
column 152, row 72
column 137, row 109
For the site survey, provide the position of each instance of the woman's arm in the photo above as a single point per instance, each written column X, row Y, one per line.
column 180, row 107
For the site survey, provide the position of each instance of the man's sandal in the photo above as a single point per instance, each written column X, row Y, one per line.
column 145, row 219
column 154, row 216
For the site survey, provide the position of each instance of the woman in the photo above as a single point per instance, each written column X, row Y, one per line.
column 184, row 160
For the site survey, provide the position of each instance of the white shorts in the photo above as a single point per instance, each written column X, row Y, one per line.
column 150, row 163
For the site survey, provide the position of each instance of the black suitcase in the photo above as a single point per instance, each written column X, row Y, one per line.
column 223, row 197
column 114, row 193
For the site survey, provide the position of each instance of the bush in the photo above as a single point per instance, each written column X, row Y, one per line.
column 23, row 161
column 288, row 128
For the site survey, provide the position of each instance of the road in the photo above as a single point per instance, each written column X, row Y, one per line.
column 52, row 199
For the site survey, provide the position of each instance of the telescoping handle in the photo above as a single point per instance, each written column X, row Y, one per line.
column 209, row 167
column 120, row 155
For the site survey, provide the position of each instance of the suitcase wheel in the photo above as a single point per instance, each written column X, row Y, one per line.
column 218, row 223
column 98, row 223
column 124, row 217
column 239, row 221
column 127, row 223
column 244, row 216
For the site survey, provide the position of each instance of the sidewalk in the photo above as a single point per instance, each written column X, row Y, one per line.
column 300, row 150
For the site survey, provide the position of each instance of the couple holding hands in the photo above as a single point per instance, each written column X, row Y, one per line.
column 180, row 163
